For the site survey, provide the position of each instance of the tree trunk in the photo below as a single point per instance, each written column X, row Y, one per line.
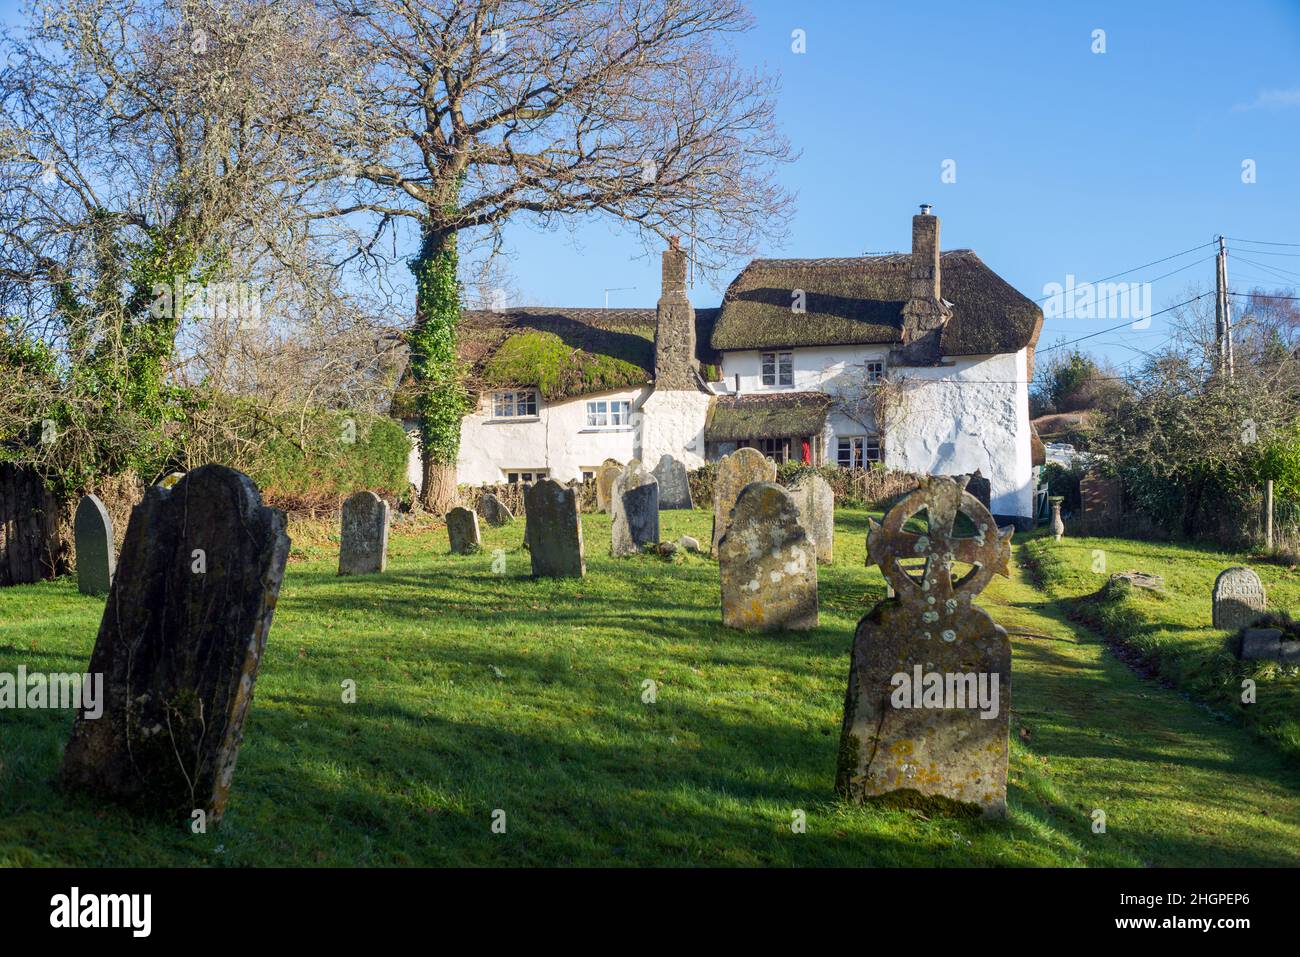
column 438, row 493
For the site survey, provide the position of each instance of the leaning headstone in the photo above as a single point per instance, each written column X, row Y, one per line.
column 674, row 486
column 1239, row 599
column 609, row 470
column 815, row 500
column 495, row 511
column 768, row 564
column 364, row 546
column 92, row 531
column 553, row 531
column 742, row 467
column 179, row 646
column 633, row 510
column 462, row 531
column 929, row 691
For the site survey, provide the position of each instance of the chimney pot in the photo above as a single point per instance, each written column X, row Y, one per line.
column 925, row 209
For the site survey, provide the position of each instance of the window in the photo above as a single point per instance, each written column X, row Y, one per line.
column 588, row 475
column 526, row 476
column 603, row 414
column 514, row 405
column 875, row 371
column 858, row 451
column 776, row 449
column 778, row 368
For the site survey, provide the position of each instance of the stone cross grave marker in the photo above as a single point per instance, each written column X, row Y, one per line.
column 1239, row 599
column 609, row 470
column 742, row 467
column 674, row 485
column 634, row 510
column 815, row 500
column 179, row 646
column 553, row 530
column 93, row 536
column 495, row 511
column 462, row 531
column 767, row 563
column 364, row 546
column 929, row 688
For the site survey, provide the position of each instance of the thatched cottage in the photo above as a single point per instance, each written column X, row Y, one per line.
column 918, row 361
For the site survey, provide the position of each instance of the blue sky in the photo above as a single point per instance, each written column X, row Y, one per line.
column 1068, row 162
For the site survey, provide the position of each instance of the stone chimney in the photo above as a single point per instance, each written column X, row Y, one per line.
column 925, row 314
column 674, row 325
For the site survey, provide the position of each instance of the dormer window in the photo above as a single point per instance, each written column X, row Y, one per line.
column 778, row 368
column 514, row 405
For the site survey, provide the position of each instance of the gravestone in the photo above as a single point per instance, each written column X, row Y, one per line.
column 815, row 500
column 910, row 725
column 1239, row 599
column 981, row 488
column 179, row 646
column 495, row 511
column 742, row 467
column 768, row 564
column 170, row 479
column 674, row 486
column 462, row 531
column 1099, row 504
column 364, row 546
column 609, row 470
column 1261, row 644
column 634, row 510
column 92, row 532
column 553, row 531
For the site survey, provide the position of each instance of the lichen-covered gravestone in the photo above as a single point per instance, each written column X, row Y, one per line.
column 633, row 510
column 929, row 690
column 93, row 535
column 609, row 470
column 674, row 485
column 180, row 645
column 742, row 467
column 1239, row 599
column 553, row 531
column 768, row 564
column 495, row 511
column 462, row 531
column 815, row 500
column 363, row 549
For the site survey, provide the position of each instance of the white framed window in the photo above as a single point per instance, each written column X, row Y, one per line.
column 526, row 476
column 514, row 405
column 605, row 414
column 858, row 451
column 875, row 371
column 778, row 368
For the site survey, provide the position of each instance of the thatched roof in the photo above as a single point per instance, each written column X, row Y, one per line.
column 860, row 301
column 766, row 415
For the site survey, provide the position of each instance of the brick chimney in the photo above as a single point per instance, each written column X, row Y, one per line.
column 925, row 314
column 674, row 325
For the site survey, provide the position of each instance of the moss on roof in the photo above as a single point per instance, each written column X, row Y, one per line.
column 558, row 370
column 860, row 301
column 779, row 415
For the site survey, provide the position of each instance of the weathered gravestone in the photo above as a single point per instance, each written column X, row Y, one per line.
column 462, row 531
column 1239, row 599
column 1100, row 503
column 180, row 645
column 768, row 564
column 634, row 511
column 170, row 479
column 553, row 531
column 929, row 691
column 981, row 488
column 364, row 546
column 816, row 503
column 92, row 531
column 495, row 511
column 674, row 485
column 609, row 470
column 742, row 467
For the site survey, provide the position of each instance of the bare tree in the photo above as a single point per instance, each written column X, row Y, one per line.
column 473, row 113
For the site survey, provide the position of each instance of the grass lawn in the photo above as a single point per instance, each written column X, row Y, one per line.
column 1169, row 632
column 480, row 691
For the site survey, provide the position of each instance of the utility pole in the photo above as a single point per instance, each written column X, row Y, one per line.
column 1222, row 311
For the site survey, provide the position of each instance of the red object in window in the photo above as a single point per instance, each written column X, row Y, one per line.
column 807, row 453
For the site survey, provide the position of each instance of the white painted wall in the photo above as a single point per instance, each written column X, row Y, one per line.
column 672, row 423
column 558, row 440
column 814, row 367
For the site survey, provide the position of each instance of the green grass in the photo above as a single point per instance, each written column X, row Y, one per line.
column 479, row 691
column 1169, row 633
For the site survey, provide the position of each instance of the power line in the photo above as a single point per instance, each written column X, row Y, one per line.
column 1275, row 270
column 1136, row 268
column 1262, row 242
column 1255, row 295
column 1102, row 332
